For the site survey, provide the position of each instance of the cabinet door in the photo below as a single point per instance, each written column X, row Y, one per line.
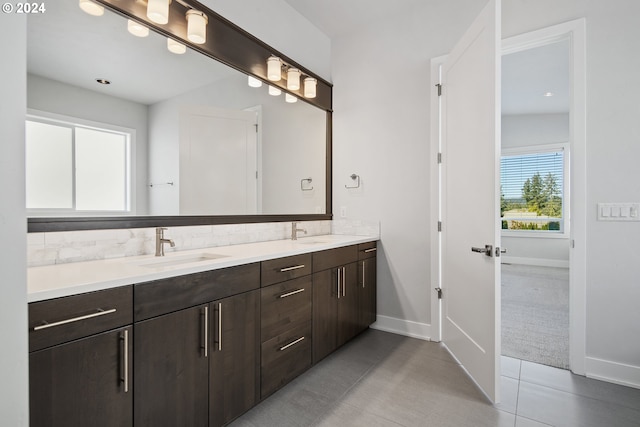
column 171, row 369
column 325, row 313
column 82, row 383
column 348, row 303
column 367, row 291
column 234, row 356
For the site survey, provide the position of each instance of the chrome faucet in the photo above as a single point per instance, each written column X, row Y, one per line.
column 295, row 229
column 160, row 241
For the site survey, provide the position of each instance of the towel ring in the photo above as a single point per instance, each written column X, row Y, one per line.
column 355, row 178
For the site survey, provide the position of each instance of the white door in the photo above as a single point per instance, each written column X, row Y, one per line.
column 218, row 161
column 470, row 200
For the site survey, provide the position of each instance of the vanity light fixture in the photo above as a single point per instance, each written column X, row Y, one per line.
column 91, row 7
column 137, row 29
column 310, row 87
column 274, row 68
column 158, row 11
column 290, row 98
column 274, row 91
column 253, row 82
column 197, row 26
column 293, row 79
column 176, row 47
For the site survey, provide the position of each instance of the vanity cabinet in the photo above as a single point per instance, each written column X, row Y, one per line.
column 197, row 347
column 367, row 281
column 285, row 320
column 335, row 299
column 80, row 359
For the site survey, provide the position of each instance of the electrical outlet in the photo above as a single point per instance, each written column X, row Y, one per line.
column 343, row 211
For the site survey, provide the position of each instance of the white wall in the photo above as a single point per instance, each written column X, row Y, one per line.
column 381, row 131
column 13, row 304
column 527, row 130
column 283, row 28
column 55, row 97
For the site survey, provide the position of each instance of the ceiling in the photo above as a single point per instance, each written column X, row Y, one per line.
column 70, row 46
column 526, row 76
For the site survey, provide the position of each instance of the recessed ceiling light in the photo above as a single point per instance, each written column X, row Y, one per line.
column 103, row 81
column 548, row 94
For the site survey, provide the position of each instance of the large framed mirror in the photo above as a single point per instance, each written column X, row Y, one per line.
column 195, row 144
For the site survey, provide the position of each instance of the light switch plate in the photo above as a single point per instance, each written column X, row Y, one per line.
column 618, row 211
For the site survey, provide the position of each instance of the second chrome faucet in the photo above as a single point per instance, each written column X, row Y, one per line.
column 160, row 241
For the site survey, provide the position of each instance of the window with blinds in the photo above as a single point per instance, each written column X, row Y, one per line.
column 532, row 184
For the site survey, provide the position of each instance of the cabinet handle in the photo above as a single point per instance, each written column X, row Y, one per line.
column 288, row 294
column 125, row 359
column 206, row 331
column 295, row 267
column 344, row 288
column 363, row 270
column 366, row 251
column 291, row 343
column 219, row 326
column 99, row 312
column 338, row 282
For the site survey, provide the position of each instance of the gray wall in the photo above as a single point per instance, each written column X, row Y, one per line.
column 13, row 304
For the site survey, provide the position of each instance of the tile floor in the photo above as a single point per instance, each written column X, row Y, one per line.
column 383, row 379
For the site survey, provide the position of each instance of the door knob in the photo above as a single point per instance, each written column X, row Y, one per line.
column 487, row 250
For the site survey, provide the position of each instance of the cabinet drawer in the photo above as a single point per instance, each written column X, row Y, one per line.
column 176, row 293
column 61, row 320
column 284, row 306
column 367, row 250
column 324, row 260
column 281, row 269
column 285, row 357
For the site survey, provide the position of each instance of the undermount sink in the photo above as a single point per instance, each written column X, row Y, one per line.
column 172, row 261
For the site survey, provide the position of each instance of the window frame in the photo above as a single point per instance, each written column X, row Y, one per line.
column 130, row 150
column 565, row 231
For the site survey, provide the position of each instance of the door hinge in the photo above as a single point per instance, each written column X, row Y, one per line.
column 439, row 225
column 439, row 291
column 439, row 158
column 439, row 86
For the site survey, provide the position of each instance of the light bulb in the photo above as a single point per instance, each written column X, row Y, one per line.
column 137, row 29
column 158, row 11
column 293, row 79
column 274, row 71
column 91, row 8
column 176, row 47
column 310, row 87
column 274, row 91
column 253, row 82
column 197, row 26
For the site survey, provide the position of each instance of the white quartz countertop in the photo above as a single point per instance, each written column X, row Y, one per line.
column 60, row 280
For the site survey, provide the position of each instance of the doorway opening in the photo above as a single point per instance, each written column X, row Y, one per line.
column 535, row 204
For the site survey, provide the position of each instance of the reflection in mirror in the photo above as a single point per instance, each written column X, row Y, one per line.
column 202, row 142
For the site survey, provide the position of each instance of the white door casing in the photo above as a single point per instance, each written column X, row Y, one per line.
column 218, row 161
column 470, row 200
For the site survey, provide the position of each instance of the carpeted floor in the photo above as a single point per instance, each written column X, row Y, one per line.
column 535, row 314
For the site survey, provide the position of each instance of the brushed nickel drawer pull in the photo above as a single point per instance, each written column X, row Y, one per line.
column 206, row 331
column 291, row 343
column 339, row 282
column 366, row 251
column 344, row 287
column 125, row 364
column 100, row 312
column 288, row 294
column 295, row 267
column 363, row 274
column 219, row 326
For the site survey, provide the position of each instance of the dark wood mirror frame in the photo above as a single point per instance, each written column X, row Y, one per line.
column 234, row 47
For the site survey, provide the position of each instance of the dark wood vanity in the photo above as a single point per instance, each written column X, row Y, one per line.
column 195, row 350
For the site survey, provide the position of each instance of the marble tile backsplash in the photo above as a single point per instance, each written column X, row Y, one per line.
column 75, row 246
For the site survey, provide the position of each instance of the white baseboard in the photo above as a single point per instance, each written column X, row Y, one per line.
column 540, row 262
column 618, row 373
column 403, row 327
